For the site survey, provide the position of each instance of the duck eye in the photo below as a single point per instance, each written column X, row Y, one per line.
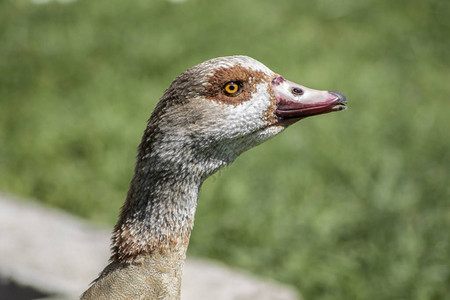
column 231, row 88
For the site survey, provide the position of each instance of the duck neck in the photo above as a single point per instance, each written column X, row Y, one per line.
column 155, row 223
column 150, row 239
column 158, row 215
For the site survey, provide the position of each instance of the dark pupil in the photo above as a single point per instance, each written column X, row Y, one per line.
column 232, row 87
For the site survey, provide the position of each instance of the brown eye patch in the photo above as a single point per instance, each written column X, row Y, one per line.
column 244, row 79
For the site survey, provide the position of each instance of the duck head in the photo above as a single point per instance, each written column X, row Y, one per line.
column 224, row 106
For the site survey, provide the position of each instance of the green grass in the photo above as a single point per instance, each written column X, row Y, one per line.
column 351, row 205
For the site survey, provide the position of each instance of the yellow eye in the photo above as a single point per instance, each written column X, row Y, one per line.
column 231, row 88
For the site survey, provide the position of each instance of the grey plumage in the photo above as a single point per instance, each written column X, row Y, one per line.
column 195, row 129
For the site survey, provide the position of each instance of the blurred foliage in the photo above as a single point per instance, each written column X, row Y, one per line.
column 350, row 205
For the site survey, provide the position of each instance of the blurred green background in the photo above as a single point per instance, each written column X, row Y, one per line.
column 349, row 205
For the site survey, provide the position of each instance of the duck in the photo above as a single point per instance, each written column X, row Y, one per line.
column 206, row 118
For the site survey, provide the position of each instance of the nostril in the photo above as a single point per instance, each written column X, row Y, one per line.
column 297, row 91
column 342, row 98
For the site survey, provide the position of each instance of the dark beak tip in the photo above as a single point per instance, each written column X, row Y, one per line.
column 341, row 97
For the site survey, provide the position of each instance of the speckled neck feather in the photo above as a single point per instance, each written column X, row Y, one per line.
column 158, row 214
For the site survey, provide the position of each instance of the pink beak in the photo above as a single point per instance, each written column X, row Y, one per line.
column 296, row 102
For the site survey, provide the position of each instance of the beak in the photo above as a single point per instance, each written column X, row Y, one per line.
column 296, row 102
